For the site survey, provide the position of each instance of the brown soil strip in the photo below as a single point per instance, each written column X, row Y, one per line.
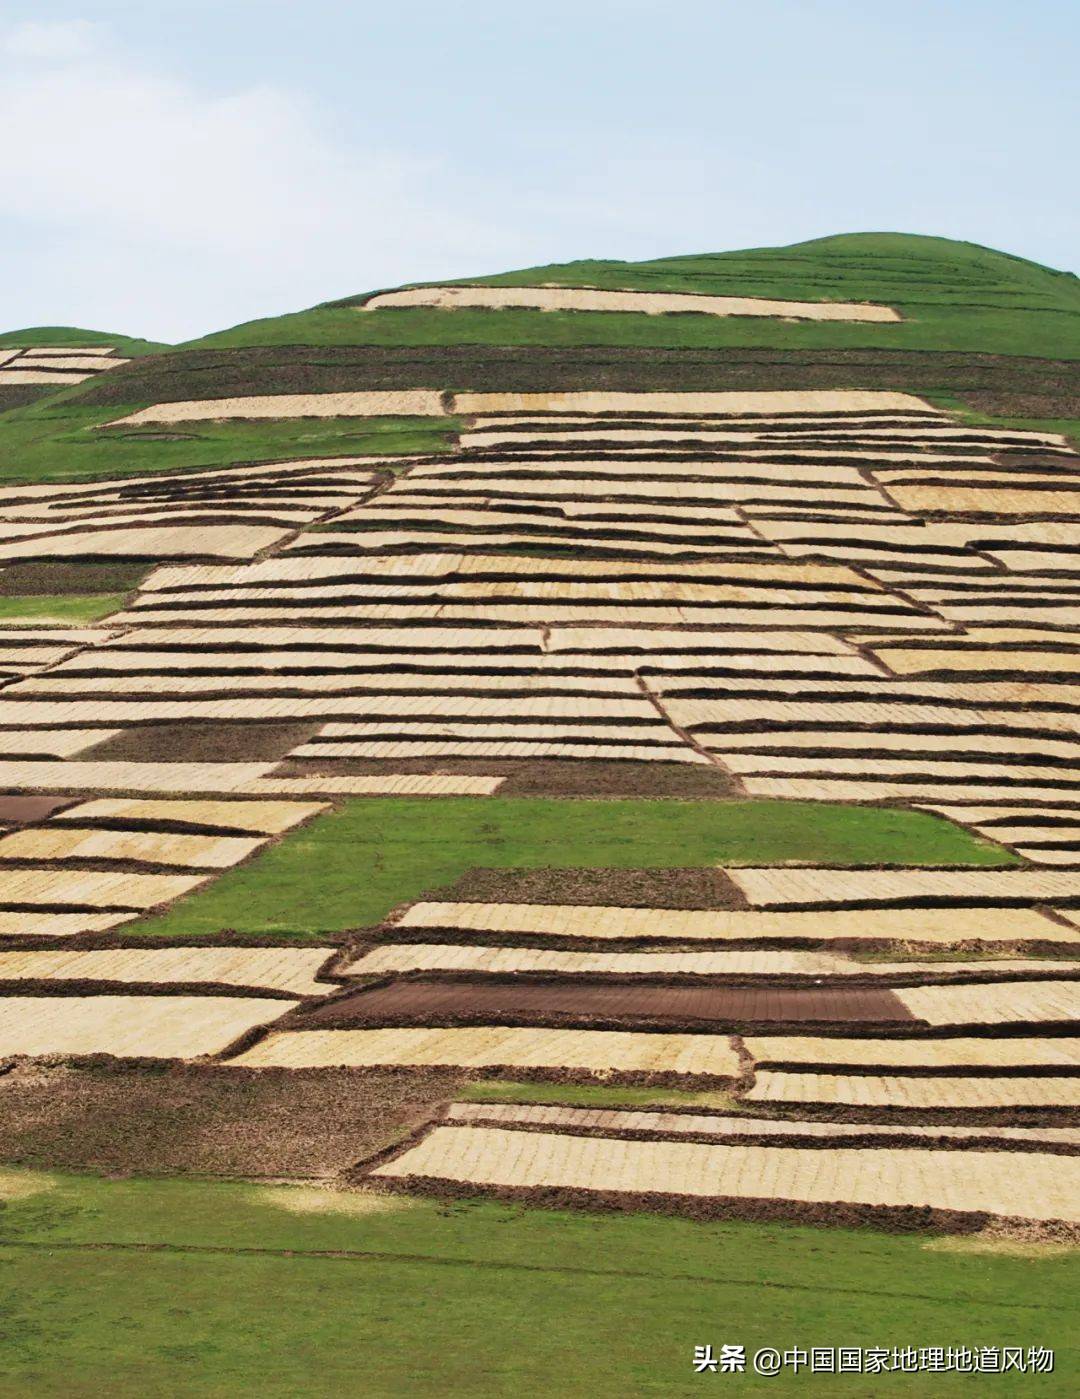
column 79, row 986
column 203, row 741
column 585, row 1002
column 905, row 1220
column 623, row 888
column 113, row 1117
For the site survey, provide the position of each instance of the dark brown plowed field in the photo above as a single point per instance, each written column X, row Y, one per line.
column 596, row 1003
column 117, row 1116
column 60, row 577
column 17, row 811
column 588, row 778
column 622, row 888
column 202, row 742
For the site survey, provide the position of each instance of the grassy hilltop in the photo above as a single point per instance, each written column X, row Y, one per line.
column 953, row 296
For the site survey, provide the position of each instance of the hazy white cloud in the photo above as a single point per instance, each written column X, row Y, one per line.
column 52, row 41
column 128, row 183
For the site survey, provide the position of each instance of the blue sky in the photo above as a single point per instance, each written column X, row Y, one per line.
column 173, row 167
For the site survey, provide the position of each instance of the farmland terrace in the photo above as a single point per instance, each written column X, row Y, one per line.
column 602, row 739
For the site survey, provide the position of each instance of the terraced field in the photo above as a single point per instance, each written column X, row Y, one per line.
column 709, row 748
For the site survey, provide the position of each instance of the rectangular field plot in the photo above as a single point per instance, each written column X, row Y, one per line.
column 372, row 403
column 1008, row 1184
column 181, row 778
column 403, row 957
column 264, row 968
column 987, row 1053
column 1018, row 1003
column 175, row 541
column 683, row 1124
column 698, row 404
column 648, row 303
column 55, row 887
column 940, row 927
column 166, row 1027
column 256, row 817
column 153, row 847
column 385, row 785
column 780, row 888
column 427, row 1002
column 450, row 957
column 600, row 1052
column 23, row 923
column 910, row 1091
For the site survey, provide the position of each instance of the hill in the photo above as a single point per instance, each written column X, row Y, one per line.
column 65, row 336
column 979, row 330
column 952, row 296
column 584, row 805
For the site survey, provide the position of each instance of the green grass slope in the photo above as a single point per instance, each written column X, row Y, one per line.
column 952, row 295
column 65, row 439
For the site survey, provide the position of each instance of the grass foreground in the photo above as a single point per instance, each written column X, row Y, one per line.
column 351, row 866
column 183, row 1287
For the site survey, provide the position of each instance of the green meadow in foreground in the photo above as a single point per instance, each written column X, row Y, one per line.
column 350, row 867
column 64, row 440
column 952, row 296
column 145, row 1287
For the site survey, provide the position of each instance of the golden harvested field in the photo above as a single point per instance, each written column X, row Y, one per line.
column 50, row 885
column 600, row 1052
column 289, row 969
column 879, row 1091
column 58, row 925
column 155, row 847
column 648, row 303
column 373, row 403
column 679, row 1124
column 418, row 956
column 935, row 1054
column 778, row 887
column 257, row 817
column 167, row 1027
column 920, row 925
column 730, row 404
column 1011, row 1185
column 995, row 1005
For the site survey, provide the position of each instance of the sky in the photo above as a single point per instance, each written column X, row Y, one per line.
column 172, row 168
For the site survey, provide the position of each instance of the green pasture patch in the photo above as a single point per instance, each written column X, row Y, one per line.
column 351, row 866
column 68, row 441
column 135, row 1287
column 64, row 608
